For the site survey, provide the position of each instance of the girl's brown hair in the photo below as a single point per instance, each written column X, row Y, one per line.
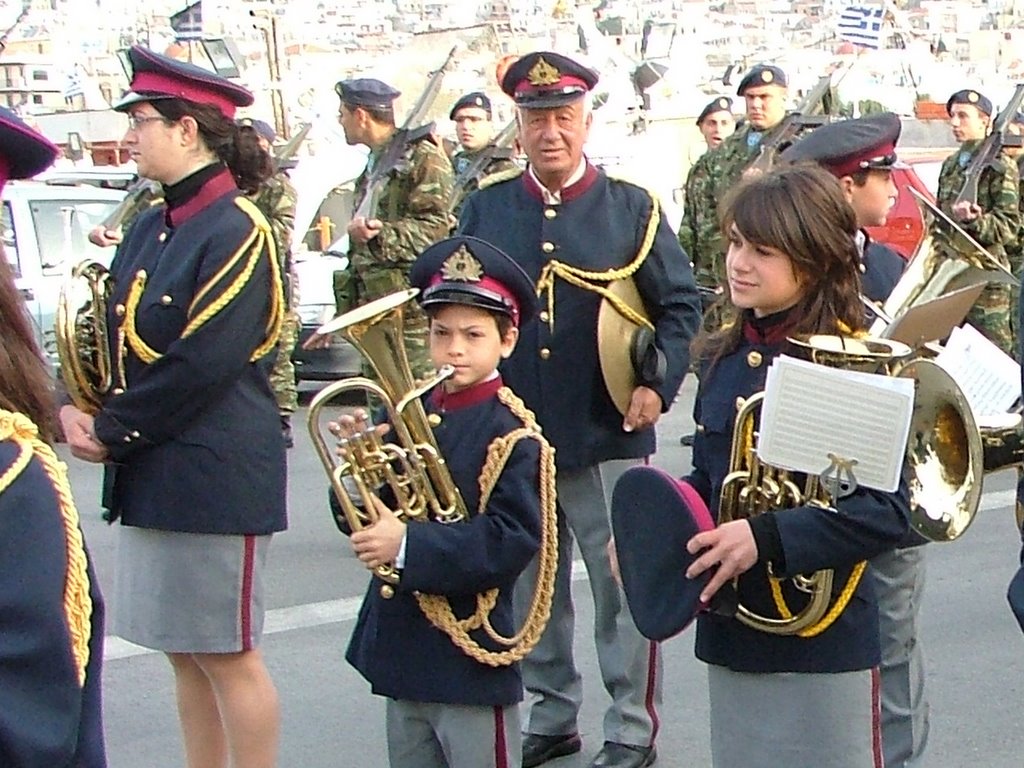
column 25, row 383
column 801, row 211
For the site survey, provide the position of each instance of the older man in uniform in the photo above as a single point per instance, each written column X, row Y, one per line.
column 475, row 130
column 575, row 231
column 764, row 90
column 861, row 154
column 410, row 215
column 716, row 124
column 994, row 220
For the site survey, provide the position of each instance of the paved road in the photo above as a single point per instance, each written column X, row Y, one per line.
column 972, row 643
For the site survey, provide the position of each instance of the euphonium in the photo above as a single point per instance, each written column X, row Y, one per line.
column 942, row 465
column 411, row 465
column 86, row 363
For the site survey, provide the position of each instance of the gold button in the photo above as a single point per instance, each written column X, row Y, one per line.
column 119, row 310
column 165, row 299
column 862, row 267
column 434, row 419
column 754, row 359
column 545, row 353
column 550, row 213
column 141, row 274
column 387, row 591
column 118, row 390
column 163, row 236
column 127, row 439
column 544, row 316
column 740, row 402
column 547, row 247
column 699, row 428
column 135, row 433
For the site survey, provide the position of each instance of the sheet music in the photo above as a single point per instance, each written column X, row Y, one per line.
column 989, row 378
column 812, row 410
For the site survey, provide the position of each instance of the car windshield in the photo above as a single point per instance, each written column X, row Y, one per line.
column 63, row 226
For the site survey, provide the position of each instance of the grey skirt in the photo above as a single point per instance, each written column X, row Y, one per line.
column 794, row 720
column 189, row 592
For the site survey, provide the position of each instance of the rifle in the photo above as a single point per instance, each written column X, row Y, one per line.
column 813, row 111
column 284, row 154
column 991, row 147
column 394, row 151
column 139, row 196
column 500, row 148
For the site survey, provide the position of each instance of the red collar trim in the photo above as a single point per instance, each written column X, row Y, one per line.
column 568, row 193
column 453, row 401
column 216, row 187
column 773, row 334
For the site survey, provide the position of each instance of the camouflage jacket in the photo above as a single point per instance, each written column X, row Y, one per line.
column 277, row 199
column 464, row 187
column 693, row 217
column 725, row 166
column 413, row 207
column 997, row 227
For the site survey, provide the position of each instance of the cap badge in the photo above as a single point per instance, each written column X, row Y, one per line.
column 972, row 97
column 723, row 103
column 767, row 76
column 462, row 266
column 543, row 73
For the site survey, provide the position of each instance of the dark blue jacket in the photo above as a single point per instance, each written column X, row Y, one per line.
column 883, row 268
column 600, row 225
column 393, row 645
column 868, row 523
column 195, row 437
column 47, row 720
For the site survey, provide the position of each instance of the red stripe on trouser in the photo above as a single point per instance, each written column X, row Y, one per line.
column 652, row 686
column 876, row 717
column 500, row 747
column 245, row 604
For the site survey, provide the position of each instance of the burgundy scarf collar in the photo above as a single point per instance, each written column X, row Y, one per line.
column 217, row 186
column 453, row 401
column 568, row 193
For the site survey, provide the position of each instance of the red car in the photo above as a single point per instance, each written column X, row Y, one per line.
column 904, row 229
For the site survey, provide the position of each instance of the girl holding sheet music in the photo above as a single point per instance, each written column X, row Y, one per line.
column 809, row 699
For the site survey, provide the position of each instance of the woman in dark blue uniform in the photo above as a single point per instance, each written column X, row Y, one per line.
column 806, row 700
column 51, row 611
column 195, row 462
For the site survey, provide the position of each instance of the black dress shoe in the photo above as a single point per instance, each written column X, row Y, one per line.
column 539, row 749
column 614, row 755
column 687, row 440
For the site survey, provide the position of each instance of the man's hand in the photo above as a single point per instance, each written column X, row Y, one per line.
column 378, row 544
column 730, row 546
column 81, row 436
column 965, row 210
column 364, row 230
column 104, row 237
column 644, row 410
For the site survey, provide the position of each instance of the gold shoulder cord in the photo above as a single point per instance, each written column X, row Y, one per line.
column 438, row 610
column 248, row 256
column 77, row 603
column 588, row 280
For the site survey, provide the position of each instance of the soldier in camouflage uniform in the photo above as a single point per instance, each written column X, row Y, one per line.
column 716, row 123
column 410, row 215
column 1016, row 253
column 475, row 130
column 994, row 220
column 764, row 89
column 276, row 199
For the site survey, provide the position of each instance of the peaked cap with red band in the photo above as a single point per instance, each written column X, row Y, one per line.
column 544, row 79
column 24, row 152
column 468, row 270
column 156, row 77
column 848, row 146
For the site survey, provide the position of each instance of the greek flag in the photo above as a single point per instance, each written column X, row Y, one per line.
column 862, row 25
column 73, row 85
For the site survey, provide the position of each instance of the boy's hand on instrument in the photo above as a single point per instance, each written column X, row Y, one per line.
column 731, row 547
column 644, row 410
column 379, row 544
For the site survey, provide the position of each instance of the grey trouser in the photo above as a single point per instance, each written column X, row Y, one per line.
column 899, row 586
column 424, row 735
column 630, row 667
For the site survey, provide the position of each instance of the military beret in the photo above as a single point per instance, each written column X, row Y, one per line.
column 544, row 79
column 849, row 146
column 23, row 151
column 475, row 99
column 263, row 129
column 721, row 104
column 967, row 96
column 366, row 92
column 468, row 270
column 762, row 74
column 157, row 78
column 653, row 516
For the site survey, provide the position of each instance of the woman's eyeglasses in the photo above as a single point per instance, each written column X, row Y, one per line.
column 135, row 121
